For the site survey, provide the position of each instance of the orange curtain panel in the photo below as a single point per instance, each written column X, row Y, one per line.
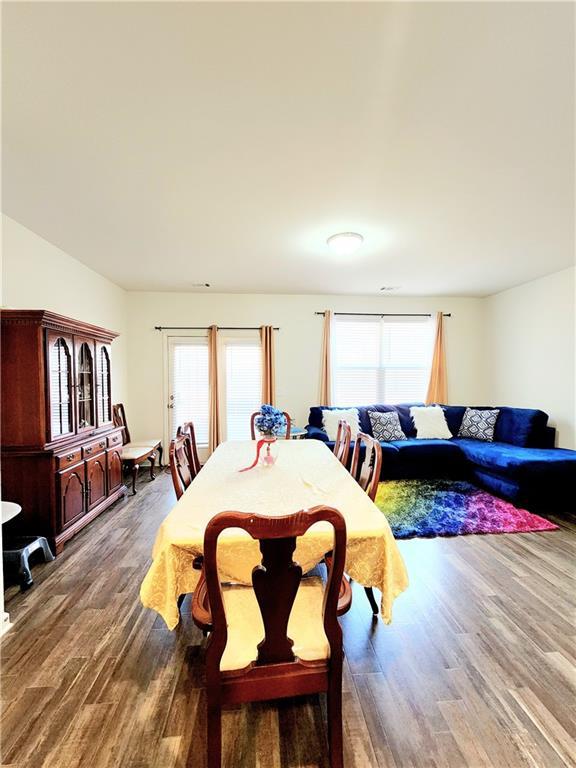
column 325, row 364
column 214, row 417
column 268, row 365
column 438, row 385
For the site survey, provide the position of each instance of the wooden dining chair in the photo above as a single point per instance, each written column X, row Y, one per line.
column 134, row 453
column 367, row 475
column 280, row 637
column 188, row 429
column 286, row 436
column 181, row 464
column 342, row 444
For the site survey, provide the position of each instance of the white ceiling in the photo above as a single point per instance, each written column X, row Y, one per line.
column 166, row 144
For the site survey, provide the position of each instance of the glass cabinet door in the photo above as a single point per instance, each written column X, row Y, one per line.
column 60, row 372
column 103, row 395
column 85, row 411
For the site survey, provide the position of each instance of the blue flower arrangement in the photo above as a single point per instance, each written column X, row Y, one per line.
column 270, row 421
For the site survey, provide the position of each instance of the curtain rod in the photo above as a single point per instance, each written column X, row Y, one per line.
column 387, row 314
column 207, row 327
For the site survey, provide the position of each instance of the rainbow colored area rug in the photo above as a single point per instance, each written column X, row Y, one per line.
column 450, row 508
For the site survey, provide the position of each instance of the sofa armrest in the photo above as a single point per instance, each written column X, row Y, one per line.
column 549, row 437
column 314, row 433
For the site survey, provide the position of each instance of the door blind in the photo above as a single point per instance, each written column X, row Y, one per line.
column 189, row 385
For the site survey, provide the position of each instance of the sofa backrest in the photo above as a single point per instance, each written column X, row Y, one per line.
column 403, row 410
column 518, row 426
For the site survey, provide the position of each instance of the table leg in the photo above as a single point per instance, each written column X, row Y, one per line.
column 135, row 470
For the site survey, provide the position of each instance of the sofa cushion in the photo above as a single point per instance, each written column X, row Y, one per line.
column 386, row 426
column 429, row 458
column 517, row 426
column 479, row 424
column 430, row 422
column 331, row 417
column 518, row 462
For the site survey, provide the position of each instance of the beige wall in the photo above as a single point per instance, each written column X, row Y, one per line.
column 514, row 348
column 297, row 343
column 530, row 349
column 37, row 275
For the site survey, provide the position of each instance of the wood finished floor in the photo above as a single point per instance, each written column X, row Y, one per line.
column 478, row 668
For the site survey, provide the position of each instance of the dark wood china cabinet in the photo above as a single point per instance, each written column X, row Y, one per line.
column 61, row 454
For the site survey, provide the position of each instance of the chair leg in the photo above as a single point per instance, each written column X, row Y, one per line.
column 160, row 452
column 334, row 702
column 152, row 459
column 372, row 600
column 214, row 729
column 135, row 469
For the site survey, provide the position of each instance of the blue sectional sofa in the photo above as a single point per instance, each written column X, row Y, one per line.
column 521, row 465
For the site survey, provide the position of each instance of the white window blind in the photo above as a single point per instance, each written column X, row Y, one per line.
column 243, row 385
column 380, row 360
column 189, row 390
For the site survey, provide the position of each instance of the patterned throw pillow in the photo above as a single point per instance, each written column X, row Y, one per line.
column 386, row 426
column 479, row 424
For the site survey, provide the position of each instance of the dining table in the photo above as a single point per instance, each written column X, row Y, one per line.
column 305, row 474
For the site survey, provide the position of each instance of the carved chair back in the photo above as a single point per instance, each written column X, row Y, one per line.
column 276, row 672
column 342, row 444
column 181, row 464
column 187, row 429
column 275, row 581
column 367, row 472
column 253, row 425
column 119, row 419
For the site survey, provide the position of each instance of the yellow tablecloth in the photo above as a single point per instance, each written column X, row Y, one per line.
column 305, row 474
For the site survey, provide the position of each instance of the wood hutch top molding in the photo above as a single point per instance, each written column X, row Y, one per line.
column 55, row 322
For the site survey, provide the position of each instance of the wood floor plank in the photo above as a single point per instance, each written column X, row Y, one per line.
column 478, row 668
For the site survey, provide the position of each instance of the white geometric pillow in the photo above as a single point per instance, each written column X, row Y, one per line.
column 479, row 424
column 330, row 421
column 386, row 426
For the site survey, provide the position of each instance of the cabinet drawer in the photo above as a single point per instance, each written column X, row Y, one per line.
column 91, row 449
column 115, row 440
column 67, row 459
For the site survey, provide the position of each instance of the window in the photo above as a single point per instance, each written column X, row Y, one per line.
column 380, row 360
column 242, row 385
column 188, row 383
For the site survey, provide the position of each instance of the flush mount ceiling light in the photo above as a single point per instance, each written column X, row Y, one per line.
column 345, row 243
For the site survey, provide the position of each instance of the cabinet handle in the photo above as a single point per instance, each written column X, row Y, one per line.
column 70, row 457
column 88, row 450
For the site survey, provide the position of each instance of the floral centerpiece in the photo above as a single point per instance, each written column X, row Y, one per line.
column 270, row 421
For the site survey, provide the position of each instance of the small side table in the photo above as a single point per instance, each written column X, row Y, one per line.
column 18, row 549
column 297, row 433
